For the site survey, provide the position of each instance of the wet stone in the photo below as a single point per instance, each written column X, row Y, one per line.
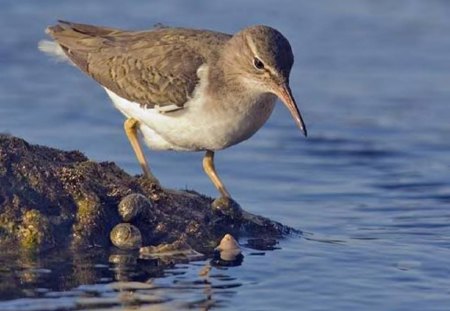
column 228, row 244
column 133, row 205
column 126, row 236
column 228, row 253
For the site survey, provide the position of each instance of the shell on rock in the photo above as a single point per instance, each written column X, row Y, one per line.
column 133, row 205
column 126, row 236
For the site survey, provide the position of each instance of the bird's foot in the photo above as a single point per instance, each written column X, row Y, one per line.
column 154, row 181
column 221, row 203
column 153, row 185
column 226, row 205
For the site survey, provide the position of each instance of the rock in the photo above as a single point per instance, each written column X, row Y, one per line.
column 228, row 253
column 228, row 248
column 53, row 199
column 228, row 244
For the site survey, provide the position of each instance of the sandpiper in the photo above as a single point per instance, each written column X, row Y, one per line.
column 184, row 89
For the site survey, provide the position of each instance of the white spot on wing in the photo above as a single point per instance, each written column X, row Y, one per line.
column 167, row 108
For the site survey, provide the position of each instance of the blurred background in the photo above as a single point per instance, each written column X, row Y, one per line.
column 370, row 186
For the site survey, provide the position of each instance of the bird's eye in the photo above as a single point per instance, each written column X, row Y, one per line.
column 258, row 63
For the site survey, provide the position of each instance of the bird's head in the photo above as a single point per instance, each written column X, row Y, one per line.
column 262, row 57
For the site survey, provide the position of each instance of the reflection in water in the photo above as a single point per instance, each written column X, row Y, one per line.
column 82, row 280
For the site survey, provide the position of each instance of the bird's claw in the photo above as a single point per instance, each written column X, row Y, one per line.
column 221, row 203
column 226, row 205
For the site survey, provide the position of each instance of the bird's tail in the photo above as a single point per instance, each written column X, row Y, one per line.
column 53, row 49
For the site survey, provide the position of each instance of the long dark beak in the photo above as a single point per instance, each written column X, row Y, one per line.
column 284, row 93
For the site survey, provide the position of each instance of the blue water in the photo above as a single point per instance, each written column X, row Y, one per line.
column 370, row 186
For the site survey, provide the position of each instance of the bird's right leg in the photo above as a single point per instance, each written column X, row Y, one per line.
column 210, row 170
column 130, row 127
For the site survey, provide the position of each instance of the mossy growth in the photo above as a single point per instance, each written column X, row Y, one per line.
column 6, row 236
column 8, row 229
column 86, row 208
column 34, row 231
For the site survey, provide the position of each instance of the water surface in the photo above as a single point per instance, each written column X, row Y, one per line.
column 370, row 187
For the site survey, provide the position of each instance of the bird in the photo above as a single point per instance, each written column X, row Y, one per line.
column 184, row 89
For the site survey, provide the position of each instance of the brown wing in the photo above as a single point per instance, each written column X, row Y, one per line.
column 157, row 67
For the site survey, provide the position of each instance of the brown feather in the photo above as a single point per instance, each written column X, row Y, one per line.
column 155, row 67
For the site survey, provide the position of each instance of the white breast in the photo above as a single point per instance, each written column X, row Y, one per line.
column 198, row 126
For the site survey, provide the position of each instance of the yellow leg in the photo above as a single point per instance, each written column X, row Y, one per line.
column 130, row 127
column 210, row 170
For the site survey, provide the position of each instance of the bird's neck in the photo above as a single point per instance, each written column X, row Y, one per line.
column 228, row 86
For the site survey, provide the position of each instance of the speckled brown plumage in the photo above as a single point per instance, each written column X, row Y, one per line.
column 156, row 67
column 227, row 84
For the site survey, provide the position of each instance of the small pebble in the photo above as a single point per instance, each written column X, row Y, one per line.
column 126, row 236
column 133, row 205
column 229, row 248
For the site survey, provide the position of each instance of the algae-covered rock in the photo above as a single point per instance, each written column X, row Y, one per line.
column 51, row 198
